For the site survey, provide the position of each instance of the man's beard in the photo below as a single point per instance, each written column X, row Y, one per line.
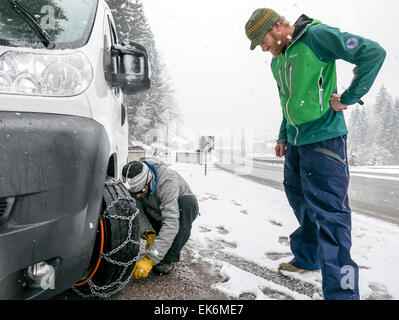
column 279, row 46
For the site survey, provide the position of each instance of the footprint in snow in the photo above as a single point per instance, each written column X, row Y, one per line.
column 211, row 196
column 364, row 267
column 276, row 223
column 208, row 196
column 247, row 296
column 204, row 229
column 244, row 211
column 380, row 292
column 284, row 241
column 226, row 244
column 222, row 230
column 277, row 255
column 275, row 294
column 215, row 245
column 236, row 203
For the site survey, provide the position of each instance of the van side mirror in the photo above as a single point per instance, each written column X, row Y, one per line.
column 134, row 69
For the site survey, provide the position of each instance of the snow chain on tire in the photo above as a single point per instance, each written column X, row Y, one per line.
column 119, row 207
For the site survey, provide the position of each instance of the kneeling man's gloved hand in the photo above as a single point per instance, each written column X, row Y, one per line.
column 148, row 235
column 142, row 268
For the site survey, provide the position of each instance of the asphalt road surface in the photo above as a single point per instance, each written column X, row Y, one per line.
column 188, row 281
column 192, row 279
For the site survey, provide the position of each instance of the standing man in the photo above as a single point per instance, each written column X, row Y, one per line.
column 313, row 137
column 167, row 210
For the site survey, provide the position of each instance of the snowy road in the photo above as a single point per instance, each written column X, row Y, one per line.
column 243, row 232
column 241, row 237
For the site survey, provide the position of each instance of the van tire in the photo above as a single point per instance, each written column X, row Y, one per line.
column 113, row 231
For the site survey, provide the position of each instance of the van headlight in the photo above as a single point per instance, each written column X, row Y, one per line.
column 38, row 74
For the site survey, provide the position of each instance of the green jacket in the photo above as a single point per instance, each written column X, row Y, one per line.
column 306, row 78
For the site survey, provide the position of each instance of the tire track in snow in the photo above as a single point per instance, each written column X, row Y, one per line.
column 267, row 274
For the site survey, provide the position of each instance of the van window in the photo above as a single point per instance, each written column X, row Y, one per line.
column 114, row 40
column 111, row 64
column 68, row 22
column 115, row 60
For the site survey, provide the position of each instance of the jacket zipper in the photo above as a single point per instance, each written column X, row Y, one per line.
column 289, row 98
column 292, row 64
column 281, row 82
column 320, row 84
column 285, row 66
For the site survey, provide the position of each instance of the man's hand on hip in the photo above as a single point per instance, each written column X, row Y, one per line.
column 336, row 104
column 280, row 149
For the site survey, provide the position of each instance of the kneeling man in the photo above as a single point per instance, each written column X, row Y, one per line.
column 167, row 210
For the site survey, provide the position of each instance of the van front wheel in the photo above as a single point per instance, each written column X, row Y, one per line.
column 116, row 246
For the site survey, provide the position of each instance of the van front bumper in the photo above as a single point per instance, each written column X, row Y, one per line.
column 52, row 174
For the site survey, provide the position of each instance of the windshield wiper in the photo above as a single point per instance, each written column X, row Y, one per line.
column 47, row 39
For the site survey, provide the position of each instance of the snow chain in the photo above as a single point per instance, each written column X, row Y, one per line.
column 107, row 291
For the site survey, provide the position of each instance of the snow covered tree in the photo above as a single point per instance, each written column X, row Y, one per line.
column 354, row 136
column 147, row 110
column 384, row 128
column 359, row 136
column 374, row 132
column 395, row 131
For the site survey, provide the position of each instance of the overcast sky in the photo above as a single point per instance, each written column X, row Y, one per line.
column 221, row 84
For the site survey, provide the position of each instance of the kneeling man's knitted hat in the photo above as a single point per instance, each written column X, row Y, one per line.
column 137, row 174
column 260, row 23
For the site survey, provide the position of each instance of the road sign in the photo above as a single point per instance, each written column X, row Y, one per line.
column 207, row 143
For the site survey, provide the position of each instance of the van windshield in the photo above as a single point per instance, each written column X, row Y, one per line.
column 68, row 22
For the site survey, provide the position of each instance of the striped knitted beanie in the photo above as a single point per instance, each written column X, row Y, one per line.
column 260, row 23
column 137, row 174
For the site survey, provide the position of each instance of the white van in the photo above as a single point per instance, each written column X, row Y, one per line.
column 65, row 219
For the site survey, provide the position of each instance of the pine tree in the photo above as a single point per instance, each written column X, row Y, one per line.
column 364, row 128
column 359, row 136
column 395, row 131
column 375, row 142
column 383, row 139
column 382, row 111
column 147, row 110
column 354, row 136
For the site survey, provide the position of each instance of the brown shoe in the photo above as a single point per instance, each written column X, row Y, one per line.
column 286, row 266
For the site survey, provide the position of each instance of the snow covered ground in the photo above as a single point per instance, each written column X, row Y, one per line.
column 244, row 227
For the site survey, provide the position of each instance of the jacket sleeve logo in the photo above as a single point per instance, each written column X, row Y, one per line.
column 352, row 43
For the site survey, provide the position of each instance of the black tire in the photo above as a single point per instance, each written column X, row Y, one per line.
column 118, row 227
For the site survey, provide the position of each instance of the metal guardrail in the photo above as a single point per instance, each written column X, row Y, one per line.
column 263, row 162
column 267, row 162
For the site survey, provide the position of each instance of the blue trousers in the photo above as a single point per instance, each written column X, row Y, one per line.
column 316, row 180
